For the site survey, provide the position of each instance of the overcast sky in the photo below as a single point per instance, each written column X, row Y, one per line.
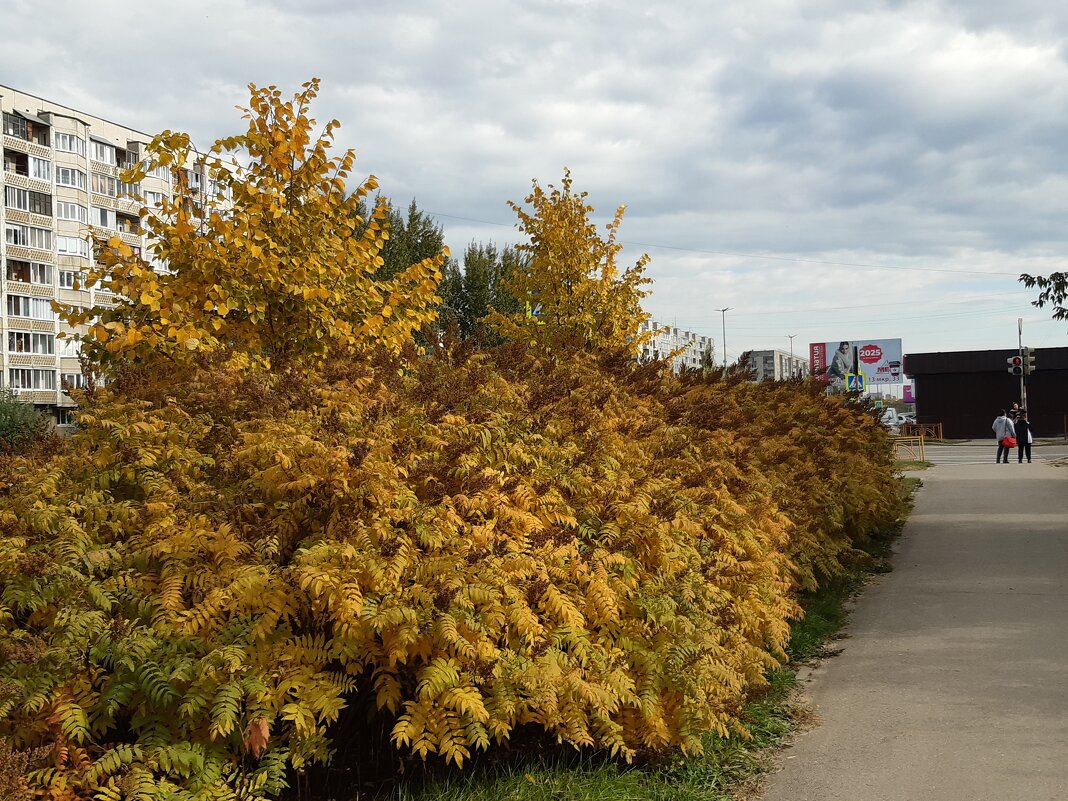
column 830, row 169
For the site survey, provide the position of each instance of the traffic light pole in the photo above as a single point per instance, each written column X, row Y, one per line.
column 1023, row 373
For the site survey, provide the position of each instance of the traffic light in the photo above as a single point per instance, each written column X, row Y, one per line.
column 1029, row 360
column 1016, row 364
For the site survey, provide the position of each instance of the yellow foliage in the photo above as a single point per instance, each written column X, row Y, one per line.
column 278, row 261
column 275, row 511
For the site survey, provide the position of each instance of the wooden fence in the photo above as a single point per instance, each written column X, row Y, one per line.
column 909, row 449
column 928, row 430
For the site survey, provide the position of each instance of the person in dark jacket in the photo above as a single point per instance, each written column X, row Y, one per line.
column 1023, row 438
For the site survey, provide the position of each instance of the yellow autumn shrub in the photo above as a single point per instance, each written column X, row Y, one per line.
column 280, row 506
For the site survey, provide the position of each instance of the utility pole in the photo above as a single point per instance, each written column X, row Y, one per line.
column 1023, row 377
column 792, row 368
column 723, row 342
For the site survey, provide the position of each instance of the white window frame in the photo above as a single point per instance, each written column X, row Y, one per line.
column 79, row 178
column 110, row 185
column 28, row 236
column 27, row 378
column 41, row 169
column 31, row 342
column 65, row 208
column 76, row 380
column 40, row 274
column 68, row 143
column 105, row 218
column 70, row 346
column 30, row 308
column 64, row 245
column 103, row 152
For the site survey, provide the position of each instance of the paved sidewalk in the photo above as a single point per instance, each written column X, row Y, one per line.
column 953, row 681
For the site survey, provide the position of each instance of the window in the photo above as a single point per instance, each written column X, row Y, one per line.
column 41, row 274
column 16, row 125
column 25, row 342
column 34, row 308
column 66, row 417
column 194, row 179
column 28, row 236
column 67, row 279
column 66, row 176
column 32, row 379
column 103, row 152
column 159, row 171
column 105, row 218
column 219, row 190
column 72, row 246
column 127, row 224
column 18, row 271
column 153, row 199
column 70, row 346
column 65, row 210
column 129, row 190
column 126, row 159
column 72, row 381
column 26, row 200
column 40, row 169
column 17, row 163
column 69, row 143
column 104, row 184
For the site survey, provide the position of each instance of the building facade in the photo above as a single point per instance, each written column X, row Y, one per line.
column 964, row 390
column 776, row 365
column 61, row 177
column 667, row 339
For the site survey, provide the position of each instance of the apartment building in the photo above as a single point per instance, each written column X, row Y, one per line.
column 776, row 365
column 60, row 177
column 666, row 339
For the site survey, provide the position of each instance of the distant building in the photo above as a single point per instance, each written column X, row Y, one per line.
column 964, row 390
column 667, row 339
column 776, row 365
column 61, row 174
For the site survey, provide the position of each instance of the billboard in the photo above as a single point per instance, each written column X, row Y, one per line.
column 878, row 360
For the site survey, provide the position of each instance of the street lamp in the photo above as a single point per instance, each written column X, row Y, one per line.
column 723, row 342
column 792, row 368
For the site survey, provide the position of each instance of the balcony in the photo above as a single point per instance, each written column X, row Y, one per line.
column 28, row 127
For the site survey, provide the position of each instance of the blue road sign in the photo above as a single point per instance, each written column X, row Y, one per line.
column 855, row 382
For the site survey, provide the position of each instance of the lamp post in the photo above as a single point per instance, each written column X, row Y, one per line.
column 723, row 341
column 792, row 368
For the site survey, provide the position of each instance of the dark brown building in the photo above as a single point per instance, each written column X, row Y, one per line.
column 964, row 390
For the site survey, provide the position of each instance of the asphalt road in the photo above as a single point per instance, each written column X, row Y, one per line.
column 953, row 680
column 979, row 451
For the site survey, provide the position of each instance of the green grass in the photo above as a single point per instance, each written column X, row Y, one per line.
column 912, row 464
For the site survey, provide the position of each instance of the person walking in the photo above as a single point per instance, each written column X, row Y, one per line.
column 1023, row 438
column 1003, row 428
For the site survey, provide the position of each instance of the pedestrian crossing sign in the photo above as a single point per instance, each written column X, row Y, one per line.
column 855, row 382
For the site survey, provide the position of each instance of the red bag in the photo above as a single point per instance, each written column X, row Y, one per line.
column 1009, row 442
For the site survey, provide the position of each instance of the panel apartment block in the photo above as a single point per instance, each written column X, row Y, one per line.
column 60, row 177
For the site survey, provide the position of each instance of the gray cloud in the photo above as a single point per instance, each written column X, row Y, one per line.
column 923, row 135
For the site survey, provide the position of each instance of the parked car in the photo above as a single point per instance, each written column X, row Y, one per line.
column 890, row 419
